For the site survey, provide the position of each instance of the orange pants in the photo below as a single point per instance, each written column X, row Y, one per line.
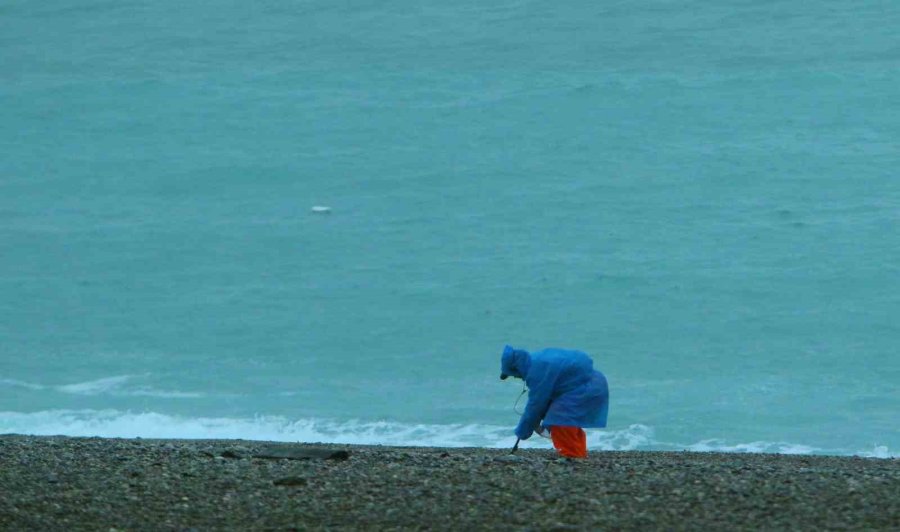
column 570, row 442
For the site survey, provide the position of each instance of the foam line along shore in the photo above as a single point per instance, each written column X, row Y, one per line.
column 123, row 424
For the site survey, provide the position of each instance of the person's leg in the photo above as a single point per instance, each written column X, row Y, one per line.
column 570, row 442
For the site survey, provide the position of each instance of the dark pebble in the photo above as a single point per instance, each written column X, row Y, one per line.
column 290, row 481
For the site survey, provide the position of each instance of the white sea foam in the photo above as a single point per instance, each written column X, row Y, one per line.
column 95, row 387
column 113, row 423
column 114, row 386
column 118, row 424
column 633, row 438
column 21, row 384
column 879, row 451
column 720, row 446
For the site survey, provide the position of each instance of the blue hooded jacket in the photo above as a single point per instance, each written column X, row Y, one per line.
column 563, row 388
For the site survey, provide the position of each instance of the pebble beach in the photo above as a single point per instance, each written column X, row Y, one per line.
column 62, row 483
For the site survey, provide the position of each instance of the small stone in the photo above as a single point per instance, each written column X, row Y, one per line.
column 232, row 453
column 290, row 481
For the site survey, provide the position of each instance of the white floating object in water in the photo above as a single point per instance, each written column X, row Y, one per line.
column 321, row 209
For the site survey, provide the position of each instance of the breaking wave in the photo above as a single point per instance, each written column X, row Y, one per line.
column 119, row 424
column 114, row 423
column 753, row 447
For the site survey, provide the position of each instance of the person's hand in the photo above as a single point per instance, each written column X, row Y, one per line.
column 542, row 431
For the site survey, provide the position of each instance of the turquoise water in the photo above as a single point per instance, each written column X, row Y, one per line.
column 703, row 197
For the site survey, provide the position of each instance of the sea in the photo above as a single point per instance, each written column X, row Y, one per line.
column 322, row 220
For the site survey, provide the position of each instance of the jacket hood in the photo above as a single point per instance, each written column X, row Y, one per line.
column 514, row 363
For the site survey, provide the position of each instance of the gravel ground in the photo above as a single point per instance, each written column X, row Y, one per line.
column 59, row 483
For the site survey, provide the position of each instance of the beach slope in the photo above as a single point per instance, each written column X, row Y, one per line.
column 60, row 483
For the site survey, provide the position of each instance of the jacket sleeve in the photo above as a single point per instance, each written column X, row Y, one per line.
column 541, row 382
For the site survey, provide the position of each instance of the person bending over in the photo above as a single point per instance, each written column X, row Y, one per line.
column 565, row 395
